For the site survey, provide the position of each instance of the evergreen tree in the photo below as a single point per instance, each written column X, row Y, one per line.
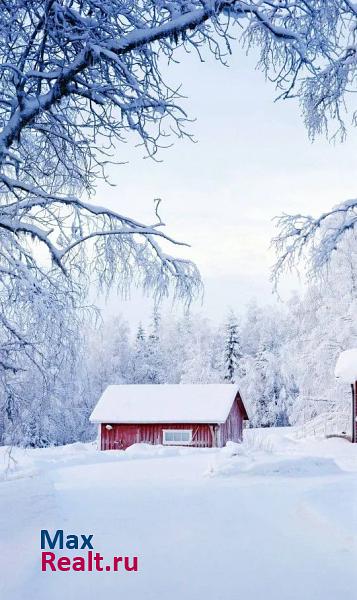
column 232, row 350
column 139, row 361
column 155, row 355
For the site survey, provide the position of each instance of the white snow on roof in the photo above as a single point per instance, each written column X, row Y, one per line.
column 346, row 366
column 178, row 403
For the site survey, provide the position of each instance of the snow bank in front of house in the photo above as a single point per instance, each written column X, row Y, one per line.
column 143, row 450
column 232, row 449
column 276, row 467
column 297, row 467
column 346, row 366
column 277, row 453
column 18, row 463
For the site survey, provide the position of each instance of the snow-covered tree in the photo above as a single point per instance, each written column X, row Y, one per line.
column 269, row 391
column 232, row 350
column 51, row 406
column 156, row 357
column 323, row 323
column 108, row 353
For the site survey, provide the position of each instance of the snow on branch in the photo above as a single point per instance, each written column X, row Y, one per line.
column 312, row 240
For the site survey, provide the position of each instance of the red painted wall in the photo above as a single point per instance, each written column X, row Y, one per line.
column 232, row 429
column 122, row 436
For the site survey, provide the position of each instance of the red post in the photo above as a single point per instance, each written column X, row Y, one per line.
column 354, row 413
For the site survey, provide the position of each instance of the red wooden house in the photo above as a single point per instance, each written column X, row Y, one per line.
column 201, row 415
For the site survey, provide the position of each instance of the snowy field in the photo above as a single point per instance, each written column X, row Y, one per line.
column 277, row 521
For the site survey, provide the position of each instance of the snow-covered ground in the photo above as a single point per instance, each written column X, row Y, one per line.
column 277, row 521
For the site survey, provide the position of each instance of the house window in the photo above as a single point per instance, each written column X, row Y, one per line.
column 177, row 437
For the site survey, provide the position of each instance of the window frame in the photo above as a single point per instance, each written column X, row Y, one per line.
column 176, row 442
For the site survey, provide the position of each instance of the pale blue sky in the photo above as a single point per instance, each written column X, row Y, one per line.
column 252, row 161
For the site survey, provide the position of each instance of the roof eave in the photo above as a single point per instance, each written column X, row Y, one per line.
column 158, row 422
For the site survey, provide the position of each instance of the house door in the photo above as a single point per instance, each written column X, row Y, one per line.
column 125, row 436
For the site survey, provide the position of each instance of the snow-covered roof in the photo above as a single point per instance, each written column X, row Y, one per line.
column 346, row 366
column 178, row 403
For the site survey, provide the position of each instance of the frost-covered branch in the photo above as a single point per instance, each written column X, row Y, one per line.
column 313, row 240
